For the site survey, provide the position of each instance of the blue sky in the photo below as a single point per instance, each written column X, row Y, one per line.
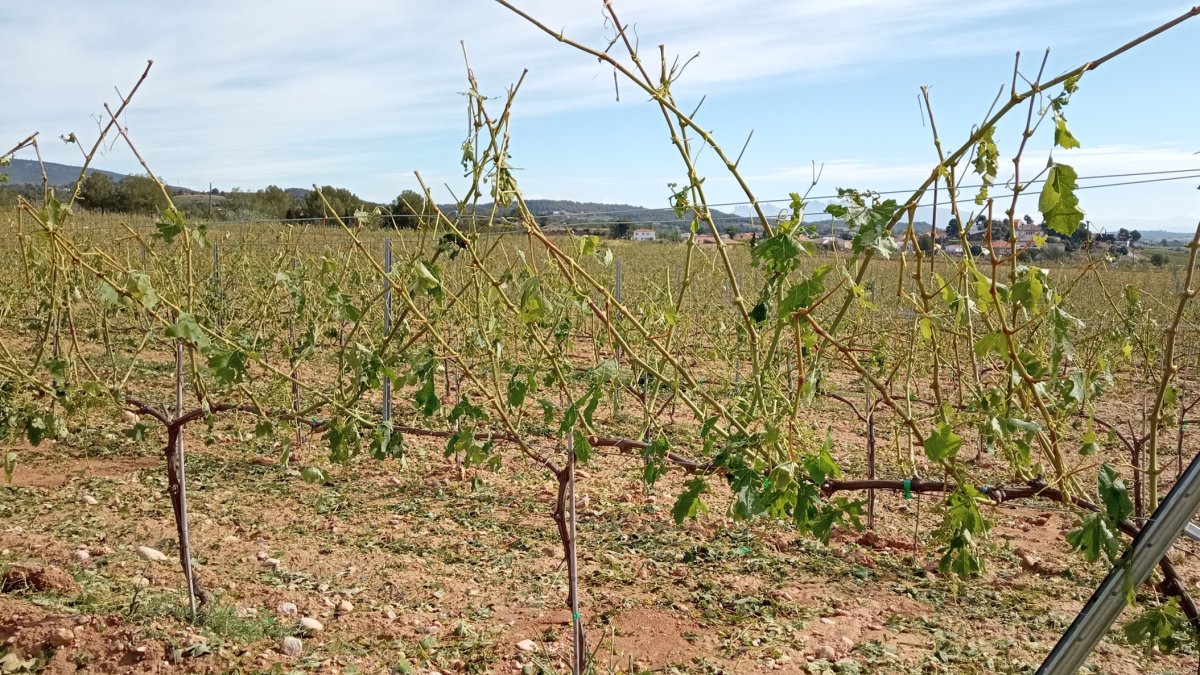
column 361, row 93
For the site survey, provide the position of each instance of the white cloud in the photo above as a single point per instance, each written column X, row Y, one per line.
column 1121, row 184
column 290, row 91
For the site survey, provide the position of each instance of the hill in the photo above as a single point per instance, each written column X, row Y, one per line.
column 28, row 172
column 566, row 212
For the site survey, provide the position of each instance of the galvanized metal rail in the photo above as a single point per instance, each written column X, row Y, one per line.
column 1171, row 519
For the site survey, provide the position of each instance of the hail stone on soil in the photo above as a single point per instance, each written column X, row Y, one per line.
column 62, row 637
column 291, row 646
column 150, row 554
column 825, row 652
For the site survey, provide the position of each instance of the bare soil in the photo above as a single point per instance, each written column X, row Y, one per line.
column 450, row 570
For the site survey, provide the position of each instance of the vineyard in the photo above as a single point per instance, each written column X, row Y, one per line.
column 472, row 446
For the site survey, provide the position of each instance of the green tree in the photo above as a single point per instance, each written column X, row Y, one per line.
column 620, row 229
column 925, row 243
column 1159, row 259
column 98, row 192
column 274, row 201
column 1135, row 235
column 342, row 203
column 409, row 210
column 139, row 194
column 952, row 230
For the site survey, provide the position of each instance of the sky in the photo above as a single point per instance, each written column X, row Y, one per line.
column 363, row 93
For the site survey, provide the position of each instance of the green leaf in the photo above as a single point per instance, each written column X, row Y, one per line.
column 10, row 465
column 465, row 409
column 426, row 397
column 943, row 444
column 1058, row 203
column 1063, row 137
column 386, row 443
column 137, row 285
column 654, row 458
column 821, row 466
column 1163, row 626
column 805, row 293
column 776, row 254
column 35, row 430
column 605, row 371
column 109, row 295
column 402, row 665
column 1094, row 537
column 229, row 367
column 428, row 279
column 1114, row 494
column 1029, row 291
column 171, row 225
column 1090, row 445
column 314, row 474
column 992, row 343
column 516, row 392
column 534, row 306
column 593, row 402
column 987, row 163
column 344, row 439
column 186, row 328
column 759, row 313
column 583, row 449
column 688, row 505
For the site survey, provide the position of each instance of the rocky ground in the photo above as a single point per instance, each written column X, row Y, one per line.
column 424, row 567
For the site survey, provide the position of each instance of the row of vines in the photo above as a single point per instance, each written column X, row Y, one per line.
column 482, row 330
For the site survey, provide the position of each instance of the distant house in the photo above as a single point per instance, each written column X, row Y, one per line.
column 1026, row 232
column 643, row 234
column 833, row 243
column 704, row 239
column 953, row 249
column 746, row 236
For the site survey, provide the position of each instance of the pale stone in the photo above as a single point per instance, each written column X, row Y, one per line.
column 151, row 555
column 291, row 646
column 62, row 637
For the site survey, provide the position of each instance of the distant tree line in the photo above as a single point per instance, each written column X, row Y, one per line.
column 142, row 195
column 1001, row 228
column 408, row 210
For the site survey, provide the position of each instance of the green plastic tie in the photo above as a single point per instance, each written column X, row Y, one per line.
column 575, row 616
column 907, row 488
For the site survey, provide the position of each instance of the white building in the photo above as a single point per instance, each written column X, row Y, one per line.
column 643, row 234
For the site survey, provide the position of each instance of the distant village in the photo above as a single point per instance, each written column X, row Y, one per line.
column 1029, row 235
